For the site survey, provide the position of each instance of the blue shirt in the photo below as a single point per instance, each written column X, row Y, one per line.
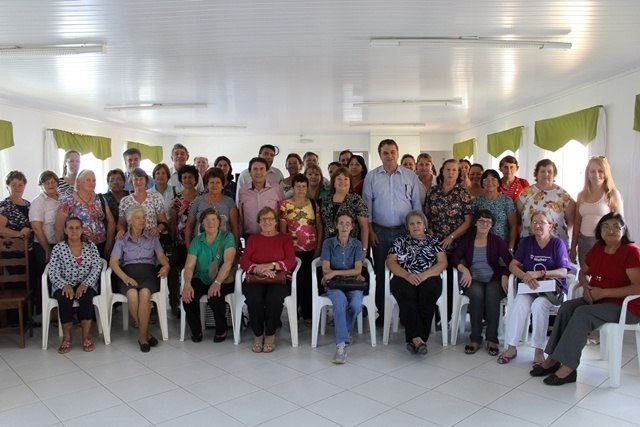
column 341, row 257
column 141, row 251
column 391, row 197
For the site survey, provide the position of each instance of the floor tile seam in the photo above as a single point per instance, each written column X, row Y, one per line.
column 83, row 415
column 571, row 406
column 435, row 422
column 386, row 403
column 297, row 407
column 606, row 415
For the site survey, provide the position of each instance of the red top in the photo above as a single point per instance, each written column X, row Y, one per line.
column 262, row 250
column 515, row 189
column 609, row 270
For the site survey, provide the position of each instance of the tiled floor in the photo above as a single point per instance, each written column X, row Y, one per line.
column 187, row 384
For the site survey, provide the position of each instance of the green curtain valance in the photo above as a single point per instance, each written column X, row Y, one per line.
column 499, row 142
column 6, row 134
column 153, row 153
column 463, row 149
column 99, row 146
column 552, row 134
column 636, row 116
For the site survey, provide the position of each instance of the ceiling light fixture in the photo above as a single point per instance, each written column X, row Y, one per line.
column 466, row 40
column 155, row 105
column 51, row 50
column 213, row 126
column 434, row 102
column 365, row 124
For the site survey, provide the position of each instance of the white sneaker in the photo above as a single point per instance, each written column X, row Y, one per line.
column 341, row 354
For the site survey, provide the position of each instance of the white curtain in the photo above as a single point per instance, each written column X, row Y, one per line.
column 631, row 205
column 51, row 152
column 598, row 146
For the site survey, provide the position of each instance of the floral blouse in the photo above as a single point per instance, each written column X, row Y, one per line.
column 301, row 223
column 152, row 205
column 353, row 204
column 181, row 218
column 415, row 255
column 553, row 201
column 91, row 214
column 66, row 269
column 446, row 212
column 17, row 216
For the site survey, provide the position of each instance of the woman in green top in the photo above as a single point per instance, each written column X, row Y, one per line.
column 209, row 263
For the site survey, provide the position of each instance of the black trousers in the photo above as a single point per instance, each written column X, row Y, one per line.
column 264, row 303
column 417, row 305
column 303, row 288
column 65, row 305
column 216, row 303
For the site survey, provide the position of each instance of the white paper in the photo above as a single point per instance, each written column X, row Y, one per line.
column 543, row 286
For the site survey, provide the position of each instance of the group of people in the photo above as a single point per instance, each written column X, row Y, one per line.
column 417, row 223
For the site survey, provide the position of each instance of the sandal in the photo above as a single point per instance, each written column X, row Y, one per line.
column 65, row 346
column 257, row 345
column 492, row 349
column 87, row 345
column 471, row 348
column 411, row 347
column 503, row 360
column 269, row 347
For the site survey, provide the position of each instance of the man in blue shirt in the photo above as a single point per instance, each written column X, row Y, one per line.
column 391, row 192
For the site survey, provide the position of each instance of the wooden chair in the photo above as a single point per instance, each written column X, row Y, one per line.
column 14, row 284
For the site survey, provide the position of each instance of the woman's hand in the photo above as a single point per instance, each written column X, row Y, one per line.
column 414, row 279
column 465, row 280
column 214, row 289
column 586, row 294
column 573, row 255
column 187, row 293
column 164, row 271
column 530, row 279
column 446, row 242
column 154, row 232
column 80, row 290
column 265, row 269
column 67, row 291
column 25, row 232
column 120, row 234
column 596, row 293
column 129, row 281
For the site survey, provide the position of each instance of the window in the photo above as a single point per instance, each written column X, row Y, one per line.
column 88, row 161
column 571, row 161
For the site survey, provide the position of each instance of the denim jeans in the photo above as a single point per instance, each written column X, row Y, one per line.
column 386, row 236
column 346, row 307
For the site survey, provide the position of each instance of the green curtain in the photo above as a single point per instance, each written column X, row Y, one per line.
column 153, row 153
column 499, row 142
column 99, row 146
column 552, row 134
column 463, row 149
column 636, row 116
column 6, row 134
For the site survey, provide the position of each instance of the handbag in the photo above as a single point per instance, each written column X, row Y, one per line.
column 279, row 279
column 215, row 264
column 347, row 284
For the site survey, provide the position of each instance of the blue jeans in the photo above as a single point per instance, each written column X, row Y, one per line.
column 386, row 236
column 346, row 307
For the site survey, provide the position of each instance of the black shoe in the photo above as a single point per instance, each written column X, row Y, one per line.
column 153, row 341
column 145, row 348
column 553, row 379
column 196, row 338
column 220, row 338
column 539, row 371
column 176, row 312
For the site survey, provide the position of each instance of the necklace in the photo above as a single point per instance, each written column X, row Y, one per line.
column 83, row 200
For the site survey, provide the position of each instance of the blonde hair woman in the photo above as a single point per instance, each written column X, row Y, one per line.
column 598, row 197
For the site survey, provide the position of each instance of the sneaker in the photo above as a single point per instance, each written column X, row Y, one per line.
column 341, row 354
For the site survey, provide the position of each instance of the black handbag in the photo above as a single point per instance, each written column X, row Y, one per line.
column 347, row 284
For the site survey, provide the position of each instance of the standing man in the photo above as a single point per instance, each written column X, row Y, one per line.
column 257, row 194
column 345, row 157
column 274, row 176
column 310, row 158
column 202, row 164
column 132, row 158
column 179, row 157
column 391, row 192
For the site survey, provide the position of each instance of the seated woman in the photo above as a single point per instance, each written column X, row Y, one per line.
column 210, row 260
column 481, row 257
column 539, row 256
column 266, row 253
column 137, row 252
column 611, row 273
column 416, row 261
column 74, row 271
column 342, row 257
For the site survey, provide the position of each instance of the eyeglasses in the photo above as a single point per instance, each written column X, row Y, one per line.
column 612, row 227
column 539, row 223
column 484, row 222
column 267, row 219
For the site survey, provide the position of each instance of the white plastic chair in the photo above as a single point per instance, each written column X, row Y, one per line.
column 290, row 303
column 203, row 308
column 320, row 304
column 392, row 311
column 159, row 298
column 99, row 302
column 459, row 307
column 611, row 337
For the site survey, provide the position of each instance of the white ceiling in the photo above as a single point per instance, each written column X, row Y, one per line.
column 296, row 66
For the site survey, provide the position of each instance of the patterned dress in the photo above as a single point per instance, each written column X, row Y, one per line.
column 301, row 223
column 446, row 212
column 500, row 207
column 153, row 205
column 91, row 214
column 65, row 268
column 416, row 255
column 353, row 204
column 553, row 201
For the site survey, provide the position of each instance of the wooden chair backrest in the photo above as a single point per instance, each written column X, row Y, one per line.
column 14, row 252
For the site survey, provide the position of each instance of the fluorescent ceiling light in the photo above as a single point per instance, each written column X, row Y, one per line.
column 435, row 102
column 414, row 125
column 468, row 40
column 51, row 50
column 213, row 126
column 156, row 105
